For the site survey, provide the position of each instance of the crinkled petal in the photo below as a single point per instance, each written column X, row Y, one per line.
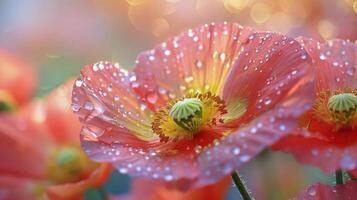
column 76, row 190
column 198, row 59
column 267, row 69
column 23, row 149
column 319, row 191
column 156, row 190
column 103, row 100
column 335, row 62
column 17, row 79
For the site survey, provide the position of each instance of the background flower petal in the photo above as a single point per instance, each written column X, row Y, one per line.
column 335, row 62
column 23, row 149
column 319, row 191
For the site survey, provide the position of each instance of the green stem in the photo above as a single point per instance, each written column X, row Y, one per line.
column 339, row 177
column 238, row 181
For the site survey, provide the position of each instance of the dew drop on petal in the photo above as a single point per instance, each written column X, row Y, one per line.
column 350, row 71
column 244, row 158
column 152, row 97
column 347, row 162
column 236, row 151
column 168, row 177
column 75, row 107
column 79, row 83
column 123, row 170
column 311, row 191
column 323, row 56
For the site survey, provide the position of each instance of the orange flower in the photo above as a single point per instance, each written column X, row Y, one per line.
column 40, row 157
column 17, row 81
column 196, row 107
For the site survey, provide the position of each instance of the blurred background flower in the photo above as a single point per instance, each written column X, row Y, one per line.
column 58, row 37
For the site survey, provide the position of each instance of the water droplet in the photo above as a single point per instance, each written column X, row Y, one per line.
column 198, row 64
column 236, row 151
column 168, row 177
column 282, row 127
column 350, row 71
column 189, row 79
column 116, row 98
column 347, row 162
column 88, row 106
column 267, row 101
column 152, row 98
column 222, row 56
column 323, row 56
column 167, row 52
column 79, row 83
column 75, row 107
column 123, row 170
column 315, row 152
column 311, row 191
column 244, row 158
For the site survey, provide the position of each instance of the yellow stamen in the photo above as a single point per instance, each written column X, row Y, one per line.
column 184, row 117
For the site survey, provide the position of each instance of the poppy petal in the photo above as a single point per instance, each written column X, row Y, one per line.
column 156, row 190
column 75, row 190
column 319, row 191
column 103, row 100
column 198, row 59
column 335, row 63
column 16, row 78
column 315, row 151
column 266, row 69
column 23, row 150
column 15, row 188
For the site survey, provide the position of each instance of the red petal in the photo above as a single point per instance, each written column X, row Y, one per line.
column 15, row 188
column 318, row 152
column 321, row 191
column 105, row 103
column 59, row 119
column 335, row 63
column 267, row 69
column 16, row 78
column 74, row 191
column 196, row 59
column 23, row 150
column 154, row 190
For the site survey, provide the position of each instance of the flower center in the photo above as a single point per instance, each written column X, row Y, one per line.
column 345, row 102
column 338, row 108
column 68, row 164
column 184, row 117
column 187, row 114
column 6, row 102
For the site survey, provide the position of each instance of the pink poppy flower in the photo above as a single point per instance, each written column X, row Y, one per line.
column 319, row 191
column 37, row 160
column 158, row 190
column 197, row 106
column 17, row 81
column 327, row 137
